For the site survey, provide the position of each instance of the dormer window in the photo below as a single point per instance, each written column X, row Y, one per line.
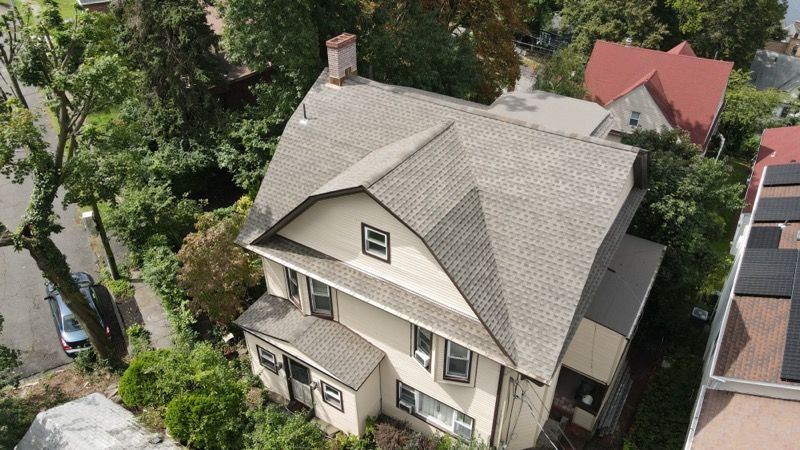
column 321, row 300
column 375, row 242
column 634, row 119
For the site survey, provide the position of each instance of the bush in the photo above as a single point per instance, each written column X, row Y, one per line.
column 207, row 420
column 160, row 271
column 87, row 362
column 274, row 429
column 344, row 441
column 16, row 416
column 120, row 288
column 138, row 339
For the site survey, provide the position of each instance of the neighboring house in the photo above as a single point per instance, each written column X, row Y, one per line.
column 750, row 391
column 438, row 263
column 91, row 422
column 94, row 5
column 555, row 112
column 652, row 89
column 790, row 44
column 774, row 70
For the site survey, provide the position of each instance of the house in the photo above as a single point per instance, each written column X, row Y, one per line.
column 435, row 262
column 94, row 422
column 790, row 44
column 774, row 70
column 749, row 396
column 555, row 112
column 94, row 5
column 652, row 89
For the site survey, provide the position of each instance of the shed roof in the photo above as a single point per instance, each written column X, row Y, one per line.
column 553, row 111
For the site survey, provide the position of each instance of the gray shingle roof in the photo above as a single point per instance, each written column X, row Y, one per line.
column 497, row 200
column 90, row 422
column 774, row 70
column 346, row 355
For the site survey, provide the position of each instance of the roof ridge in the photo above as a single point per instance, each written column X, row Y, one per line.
column 430, row 97
column 652, row 50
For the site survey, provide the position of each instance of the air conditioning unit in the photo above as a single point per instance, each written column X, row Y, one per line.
column 408, row 407
column 424, row 359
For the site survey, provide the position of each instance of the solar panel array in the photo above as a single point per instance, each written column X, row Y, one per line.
column 767, row 272
column 790, row 370
column 777, row 209
column 782, row 175
column 764, row 237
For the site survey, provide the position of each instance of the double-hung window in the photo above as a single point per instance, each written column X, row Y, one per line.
column 634, row 119
column 433, row 411
column 321, row 302
column 332, row 396
column 293, row 284
column 375, row 242
column 423, row 340
column 457, row 362
column 267, row 359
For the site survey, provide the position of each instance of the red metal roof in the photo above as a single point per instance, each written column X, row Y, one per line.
column 691, row 88
column 778, row 146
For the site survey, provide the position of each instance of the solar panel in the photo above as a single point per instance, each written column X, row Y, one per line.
column 767, row 272
column 777, row 209
column 782, row 175
column 790, row 370
column 764, row 237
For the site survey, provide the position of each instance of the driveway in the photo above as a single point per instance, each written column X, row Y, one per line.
column 28, row 324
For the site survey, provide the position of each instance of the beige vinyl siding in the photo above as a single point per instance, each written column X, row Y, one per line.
column 595, row 351
column 333, row 226
column 276, row 278
column 518, row 420
column 393, row 335
column 357, row 405
column 639, row 99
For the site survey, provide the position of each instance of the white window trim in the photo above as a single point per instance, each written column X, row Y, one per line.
column 312, row 297
column 457, row 377
column 423, row 359
column 449, row 427
column 336, row 400
column 288, row 273
column 259, row 350
column 365, row 231
column 638, row 119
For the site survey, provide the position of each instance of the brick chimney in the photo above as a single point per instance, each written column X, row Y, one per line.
column 341, row 58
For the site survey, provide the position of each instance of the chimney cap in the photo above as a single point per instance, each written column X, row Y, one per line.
column 341, row 40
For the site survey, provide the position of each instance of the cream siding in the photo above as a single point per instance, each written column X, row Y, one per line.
column 357, row 405
column 276, row 278
column 333, row 227
column 639, row 99
column 393, row 335
column 524, row 409
column 595, row 351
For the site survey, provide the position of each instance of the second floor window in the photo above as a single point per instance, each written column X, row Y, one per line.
column 293, row 282
column 457, row 362
column 321, row 302
column 634, row 119
column 423, row 340
column 375, row 242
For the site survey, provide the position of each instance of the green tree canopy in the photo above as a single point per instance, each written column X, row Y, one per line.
column 563, row 73
column 613, row 20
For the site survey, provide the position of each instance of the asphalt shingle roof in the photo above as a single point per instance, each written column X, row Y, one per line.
column 497, row 200
column 346, row 355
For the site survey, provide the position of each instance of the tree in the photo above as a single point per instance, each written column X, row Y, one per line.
column 72, row 65
column 563, row 73
column 728, row 29
column 748, row 111
column 10, row 23
column 491, row 26
column 404, row 44
column 171, row 44
column 215, row 271
column 613, row 20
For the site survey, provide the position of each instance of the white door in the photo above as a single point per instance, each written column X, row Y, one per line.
column 300, row 378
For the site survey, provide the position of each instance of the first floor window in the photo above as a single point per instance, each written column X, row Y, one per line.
column 634, row 119
column 332, row 396
column 434, row 411
column 293, row 282
column 423, row 340
column 320, row 293
column 267, row 359
column 457, row 362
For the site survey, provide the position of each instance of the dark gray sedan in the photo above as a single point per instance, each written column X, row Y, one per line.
column 73, row 338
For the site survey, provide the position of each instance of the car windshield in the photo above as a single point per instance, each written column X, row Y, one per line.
column 71, row 323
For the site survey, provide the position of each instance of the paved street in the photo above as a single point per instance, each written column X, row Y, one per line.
column 28, row 324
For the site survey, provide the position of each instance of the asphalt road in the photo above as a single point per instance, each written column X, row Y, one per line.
column 28, row 323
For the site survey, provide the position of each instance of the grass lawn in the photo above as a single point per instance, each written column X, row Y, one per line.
column 67, row 7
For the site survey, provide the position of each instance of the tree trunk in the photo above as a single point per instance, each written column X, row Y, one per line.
column 18, row 90
column 101, row 230
column 54, row 266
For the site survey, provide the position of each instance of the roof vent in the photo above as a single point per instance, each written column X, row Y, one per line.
column 341, row 58
column 628, row 41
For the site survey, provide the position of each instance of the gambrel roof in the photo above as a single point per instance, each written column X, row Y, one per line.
column 524, row 220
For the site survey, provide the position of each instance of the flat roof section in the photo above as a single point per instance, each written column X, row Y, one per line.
column 732, row 421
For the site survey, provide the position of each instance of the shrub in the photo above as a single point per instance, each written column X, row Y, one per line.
column 16, row 415
column 274, row 429
column 160, row 271
column 207, row 420
column 344, row 441
column 87, row 362
column 392, row 436
column 138, row 339
column 120, row 288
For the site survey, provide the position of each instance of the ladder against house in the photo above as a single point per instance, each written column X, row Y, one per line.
column 609, row 419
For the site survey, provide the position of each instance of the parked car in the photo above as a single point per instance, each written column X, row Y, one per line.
column 73, row 338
